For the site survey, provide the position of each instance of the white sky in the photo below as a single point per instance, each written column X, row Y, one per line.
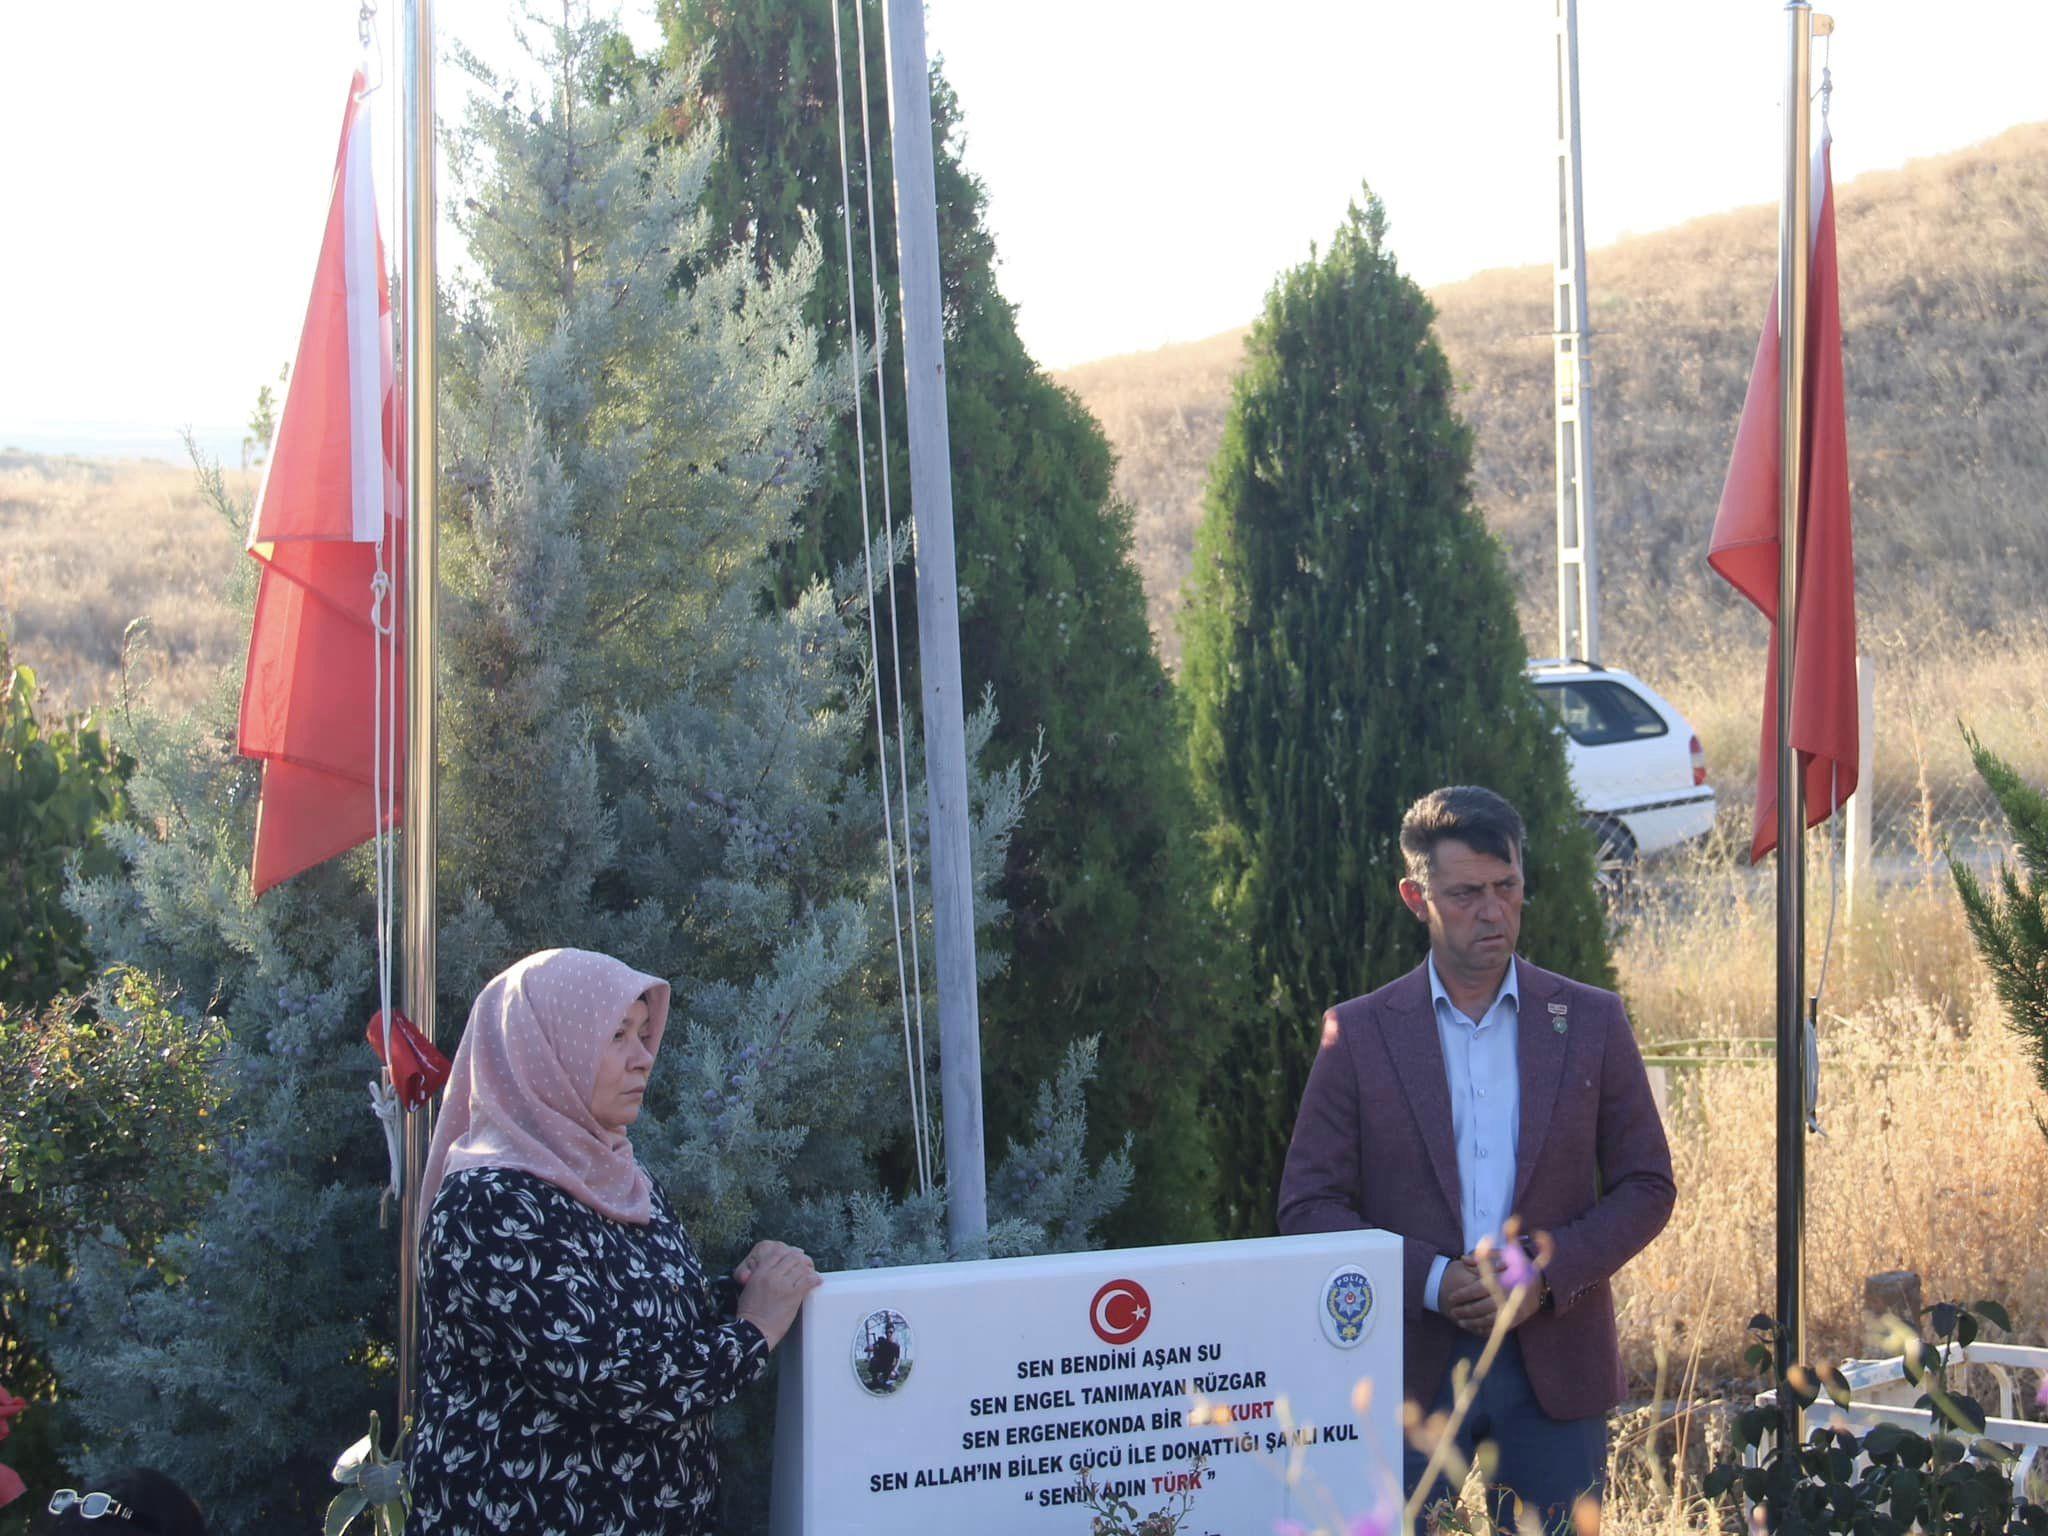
column 1151, row 164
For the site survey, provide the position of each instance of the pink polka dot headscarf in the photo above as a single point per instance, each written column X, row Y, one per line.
column 519, row 1094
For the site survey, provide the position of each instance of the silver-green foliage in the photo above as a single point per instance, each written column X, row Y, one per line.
column 640, row 756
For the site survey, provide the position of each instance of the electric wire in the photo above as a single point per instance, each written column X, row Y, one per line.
column 912, row 1052
column 889, row 535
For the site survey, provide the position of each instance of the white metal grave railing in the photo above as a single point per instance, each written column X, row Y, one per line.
column 1880, row 1393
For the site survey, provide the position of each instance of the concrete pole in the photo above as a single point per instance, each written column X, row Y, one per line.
column 938, row 622
column 1578, row 569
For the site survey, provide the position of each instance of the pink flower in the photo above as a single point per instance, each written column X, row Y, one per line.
column 1379, row 1523
column 2041, row 1392
column 1289, row 1528
column 1516, row 1268
column 11, row 1408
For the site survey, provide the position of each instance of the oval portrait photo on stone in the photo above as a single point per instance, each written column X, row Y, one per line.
column 882, row 1352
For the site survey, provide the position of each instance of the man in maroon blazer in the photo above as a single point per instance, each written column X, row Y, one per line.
column 1477, row 1087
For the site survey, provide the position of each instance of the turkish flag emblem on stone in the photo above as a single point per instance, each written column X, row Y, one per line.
column 1120, row 1311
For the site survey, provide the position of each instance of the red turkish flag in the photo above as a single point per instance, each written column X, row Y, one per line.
column 329, row 503
column 1745, row 546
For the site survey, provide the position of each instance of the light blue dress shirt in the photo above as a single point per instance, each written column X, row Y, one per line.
column 1486, row 1111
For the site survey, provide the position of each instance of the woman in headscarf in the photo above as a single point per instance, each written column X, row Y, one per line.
column 573, row 1346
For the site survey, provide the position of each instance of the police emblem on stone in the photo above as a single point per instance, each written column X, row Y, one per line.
column 1347, row 1307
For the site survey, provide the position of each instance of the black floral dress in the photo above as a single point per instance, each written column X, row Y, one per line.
column 568, row 1367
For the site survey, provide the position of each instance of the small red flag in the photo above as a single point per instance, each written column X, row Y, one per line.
column 418, row 1069
column 1745, row 546
column 330, row 494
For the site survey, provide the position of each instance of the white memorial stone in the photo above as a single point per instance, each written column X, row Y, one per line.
column 973, row 1397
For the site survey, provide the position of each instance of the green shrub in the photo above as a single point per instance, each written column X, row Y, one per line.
column 107, row 1129
column 1889, row 1480
column 60, row 785
column 105, row 1132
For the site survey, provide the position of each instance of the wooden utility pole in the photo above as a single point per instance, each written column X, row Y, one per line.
column 938, row 621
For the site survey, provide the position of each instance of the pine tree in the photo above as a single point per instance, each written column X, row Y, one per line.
column 2010, row 921
column 1109, row 938
column 1352, row 644
column 639, row 757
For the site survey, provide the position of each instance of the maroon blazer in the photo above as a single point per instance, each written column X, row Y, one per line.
column 1372, row 1147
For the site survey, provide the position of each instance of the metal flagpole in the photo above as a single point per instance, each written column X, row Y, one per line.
column 421, row 593
column 1795, row 260
column 938, row 620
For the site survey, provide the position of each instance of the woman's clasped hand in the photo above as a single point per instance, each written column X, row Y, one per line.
column 774, row 1279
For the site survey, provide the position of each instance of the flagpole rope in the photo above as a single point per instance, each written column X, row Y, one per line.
column 889, row 534
column 384, row 701
column 912, row 1053
column 375, row 71
column 1836, row 834
column 383, row 793
column 1839, row 831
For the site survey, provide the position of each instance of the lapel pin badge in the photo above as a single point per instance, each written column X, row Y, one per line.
column 1557, row 1016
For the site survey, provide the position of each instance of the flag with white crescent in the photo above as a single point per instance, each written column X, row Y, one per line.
column 326, row 524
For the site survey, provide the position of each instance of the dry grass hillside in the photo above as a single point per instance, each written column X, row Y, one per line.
column 1164, row 413
column 86, row 547
column 1944, row 286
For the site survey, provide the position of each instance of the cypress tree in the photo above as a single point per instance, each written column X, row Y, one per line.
column 1352, row 644
column 1107, row 936
column 2009, row 920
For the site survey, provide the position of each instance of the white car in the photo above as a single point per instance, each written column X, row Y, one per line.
column 1636, row 763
